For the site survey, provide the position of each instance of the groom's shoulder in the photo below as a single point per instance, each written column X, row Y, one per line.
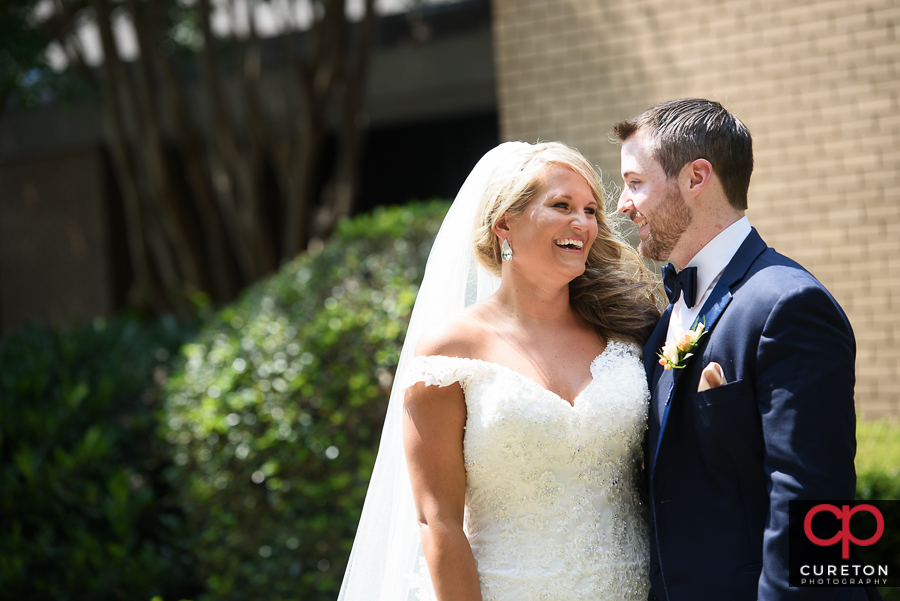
column 778, row 292
column 779, row 272
column 773, row 277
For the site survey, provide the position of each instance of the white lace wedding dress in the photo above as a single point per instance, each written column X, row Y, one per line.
column 552, row 508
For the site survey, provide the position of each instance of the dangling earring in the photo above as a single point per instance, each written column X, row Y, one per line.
column 506, row 251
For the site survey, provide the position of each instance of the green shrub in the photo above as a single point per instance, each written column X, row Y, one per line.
column 878, row 459
column 84, row 510
column 274, row 417
column 878, row 477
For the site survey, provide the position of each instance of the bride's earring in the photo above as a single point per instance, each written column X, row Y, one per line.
column 506, row 251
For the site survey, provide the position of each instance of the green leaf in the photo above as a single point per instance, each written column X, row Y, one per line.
column 26, row 460
column 75, row 394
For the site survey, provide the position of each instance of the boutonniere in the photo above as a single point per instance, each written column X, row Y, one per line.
column 676, row 351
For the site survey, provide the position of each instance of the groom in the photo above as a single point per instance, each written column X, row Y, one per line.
column 762, row 411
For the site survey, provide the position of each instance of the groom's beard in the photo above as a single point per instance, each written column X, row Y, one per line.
column 667, row 225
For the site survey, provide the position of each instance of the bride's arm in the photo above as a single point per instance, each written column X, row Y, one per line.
column 433, row 424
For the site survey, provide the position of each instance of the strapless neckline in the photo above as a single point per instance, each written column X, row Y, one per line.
column 573, row 404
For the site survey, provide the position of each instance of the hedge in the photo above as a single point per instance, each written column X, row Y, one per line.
column 878, row 477
column 85, row 512
column 275, row 415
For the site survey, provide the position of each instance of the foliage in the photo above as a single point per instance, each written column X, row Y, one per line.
column 878, row 478
column 878, row 459
column 84, row 510
column 274, row 417
column 24, row 68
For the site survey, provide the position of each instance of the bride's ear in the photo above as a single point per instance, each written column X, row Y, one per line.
column 501, row 227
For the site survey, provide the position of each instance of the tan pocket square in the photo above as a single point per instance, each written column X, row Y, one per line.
column 711, row 377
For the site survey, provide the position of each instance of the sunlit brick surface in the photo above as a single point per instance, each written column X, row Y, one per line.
column 816, row 82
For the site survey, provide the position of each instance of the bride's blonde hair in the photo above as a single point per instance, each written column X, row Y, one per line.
column 616, row 293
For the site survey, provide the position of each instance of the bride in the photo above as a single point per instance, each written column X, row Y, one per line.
column 508, row 463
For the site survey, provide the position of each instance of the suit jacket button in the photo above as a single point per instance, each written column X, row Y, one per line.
column 654, row 569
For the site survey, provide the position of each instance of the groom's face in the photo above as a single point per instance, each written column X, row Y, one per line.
column 651, row 200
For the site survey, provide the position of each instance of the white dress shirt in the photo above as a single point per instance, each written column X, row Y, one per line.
column 710, row 262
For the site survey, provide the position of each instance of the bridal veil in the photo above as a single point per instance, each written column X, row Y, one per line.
column 387, row 546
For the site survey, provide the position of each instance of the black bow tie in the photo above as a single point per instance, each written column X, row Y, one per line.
column 683, row 281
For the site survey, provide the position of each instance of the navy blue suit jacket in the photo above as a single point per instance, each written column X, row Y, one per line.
column 723, row 463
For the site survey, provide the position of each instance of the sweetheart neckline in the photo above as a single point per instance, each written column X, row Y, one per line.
column 574, row 403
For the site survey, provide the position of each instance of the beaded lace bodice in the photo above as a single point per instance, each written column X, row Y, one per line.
column 552, row 508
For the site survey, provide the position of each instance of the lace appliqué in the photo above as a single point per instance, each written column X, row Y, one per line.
column 552, row 504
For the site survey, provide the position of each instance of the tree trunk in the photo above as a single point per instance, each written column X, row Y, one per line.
column 138, row 235
column 352, row 125
column 166, row 202
column 299, row 172
column 231, row 178
column 224, row 281
column 260, row 136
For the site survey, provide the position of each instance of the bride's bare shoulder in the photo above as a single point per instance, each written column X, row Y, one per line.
column 461, row 335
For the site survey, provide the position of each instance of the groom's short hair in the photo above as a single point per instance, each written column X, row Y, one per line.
column 688, row 129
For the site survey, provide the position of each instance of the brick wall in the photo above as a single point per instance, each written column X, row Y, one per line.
column 816, row 82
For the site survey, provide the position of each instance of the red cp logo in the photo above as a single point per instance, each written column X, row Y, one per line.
column 844, row 514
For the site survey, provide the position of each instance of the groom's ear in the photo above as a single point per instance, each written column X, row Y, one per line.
column 699, row 172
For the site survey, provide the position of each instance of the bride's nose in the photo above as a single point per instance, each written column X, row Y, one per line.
column 580, row 219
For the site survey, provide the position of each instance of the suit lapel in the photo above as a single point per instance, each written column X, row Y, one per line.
column 655, row 342
column 654, row 373
column 712, row 309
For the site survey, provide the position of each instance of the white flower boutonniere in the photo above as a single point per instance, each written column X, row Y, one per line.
column 676, row 351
